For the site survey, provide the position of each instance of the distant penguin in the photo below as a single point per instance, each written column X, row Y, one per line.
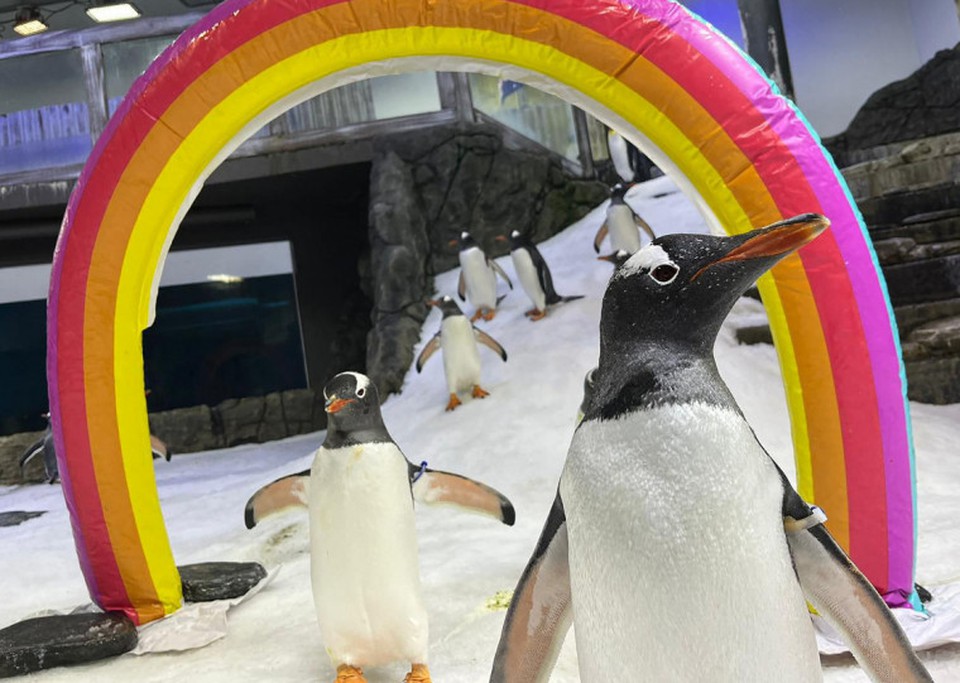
column 363, row 544
column 621, row 224
column 534, row 275
column 458, row 339
column 675, row 544
column 628, row 161
column 478, row 278
column 617, row 258
column 43, row 447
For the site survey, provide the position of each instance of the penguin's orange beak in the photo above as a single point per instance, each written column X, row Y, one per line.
column 500, row 238
column 432, row 302
column 773, row 241
column 335, row 405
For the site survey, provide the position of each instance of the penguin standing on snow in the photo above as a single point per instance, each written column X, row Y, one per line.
column 534, row 275
column 363, row 544
column 675, row 544
column 478, row 278
column 458, row 339
column 621, row 224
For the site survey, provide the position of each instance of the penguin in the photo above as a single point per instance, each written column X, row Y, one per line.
column 458, row 338
column 43, row 447
column 534, row 275
column 621, row 224
column 628, row 161
column 478, row 279
column 363, row 546
column 675, row 544
column 617, row 258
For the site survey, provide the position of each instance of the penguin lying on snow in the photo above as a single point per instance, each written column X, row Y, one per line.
column 675, row 543
column 458, row 339
column 534, row 275
column 363, row 544
column 621, row 224
column 478, row 279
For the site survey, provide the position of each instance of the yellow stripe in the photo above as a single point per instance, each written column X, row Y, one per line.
column 172, row 188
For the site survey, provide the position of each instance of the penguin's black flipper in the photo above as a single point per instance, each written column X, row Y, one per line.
column 462, row 287
column 540, row 612
column 601, row 235
column 428, row 350
column 499, row 271
column 843, row 596
column 433, row 487
column 643, row 225
column 281, row 494
column 490, row 342
column 32, row 451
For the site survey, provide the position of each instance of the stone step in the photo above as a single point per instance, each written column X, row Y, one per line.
column 904, row 250
column 892, row 209
column 935, row 380
column 944, row 229
column 911, row 316
column 918, row 282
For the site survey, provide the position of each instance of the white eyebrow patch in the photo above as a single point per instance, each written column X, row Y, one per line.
column 647, row 258
column 362, row 380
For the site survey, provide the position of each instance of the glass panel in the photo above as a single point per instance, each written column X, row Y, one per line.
column 598, row 139
column 534, row 113
column 124, row 62
column 44, row 121
column 373, row 99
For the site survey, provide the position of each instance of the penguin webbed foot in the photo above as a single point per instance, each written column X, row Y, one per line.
column 349, row 674
column 418, row 674
column 476, row 316
column 536, row 314
column 488, row 313
column 478, row 392
column 452, row 403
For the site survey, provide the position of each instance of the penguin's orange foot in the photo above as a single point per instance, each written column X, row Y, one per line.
column 418, row 674
column 478, row 392
column 489, row 313
column 349, row 674
column 536, row 314
column 453, row 403
column 476, row 316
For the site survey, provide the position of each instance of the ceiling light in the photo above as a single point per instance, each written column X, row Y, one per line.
column 29, row 22
column 224, row 278
column 113, row 12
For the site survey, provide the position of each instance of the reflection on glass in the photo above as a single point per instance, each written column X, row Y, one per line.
column 534, row 113
column 123, row 63
column 598, row 139
column 44, row 119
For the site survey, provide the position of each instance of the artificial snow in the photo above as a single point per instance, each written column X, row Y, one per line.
column 516, row 440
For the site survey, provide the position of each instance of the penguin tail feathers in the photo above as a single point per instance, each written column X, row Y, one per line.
column 501, row 298
column 557, row 299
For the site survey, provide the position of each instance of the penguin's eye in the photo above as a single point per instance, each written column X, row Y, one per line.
column 665, row 273
column 361, row 392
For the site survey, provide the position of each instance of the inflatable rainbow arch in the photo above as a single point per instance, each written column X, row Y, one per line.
column 660, row 75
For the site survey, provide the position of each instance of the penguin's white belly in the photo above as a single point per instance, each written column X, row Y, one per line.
column 479, row 278
column 679, row 565
column 461, row 357
column 623, row 230
column 527, row 272
column 363, row 556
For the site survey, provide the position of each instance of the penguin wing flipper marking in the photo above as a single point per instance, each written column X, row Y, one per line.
column 462, row 287
column 601, row 235
column 428, row 350
column 540, row 612
column 435, row 487
column 643, row 225
column 31, row 452
column 839, row 592
column 490, row 342
column 499, row 271
column 285, row 492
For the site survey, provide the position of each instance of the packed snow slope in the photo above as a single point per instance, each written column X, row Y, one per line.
column 515, row 440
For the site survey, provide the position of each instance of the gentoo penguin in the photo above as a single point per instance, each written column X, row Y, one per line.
column 363, row 544
column 534, row 275
column 43, row 447
column 621, row 224
column 478, row 278
column 675, row 544
column 458, row 338
column 628, row 161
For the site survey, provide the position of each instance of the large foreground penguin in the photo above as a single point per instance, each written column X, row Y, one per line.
column 363, row 544
column 675, row 543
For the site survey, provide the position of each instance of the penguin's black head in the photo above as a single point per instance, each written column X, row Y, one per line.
column 446, row 305
column 466, row 241
column 617, row 193
column 677, row 290
column 352, row 403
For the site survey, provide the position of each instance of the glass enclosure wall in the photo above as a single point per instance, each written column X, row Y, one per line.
column 124, row 61
column 534, row 113
column 44, row 119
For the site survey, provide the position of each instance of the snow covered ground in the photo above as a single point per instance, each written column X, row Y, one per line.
column 515, row 440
